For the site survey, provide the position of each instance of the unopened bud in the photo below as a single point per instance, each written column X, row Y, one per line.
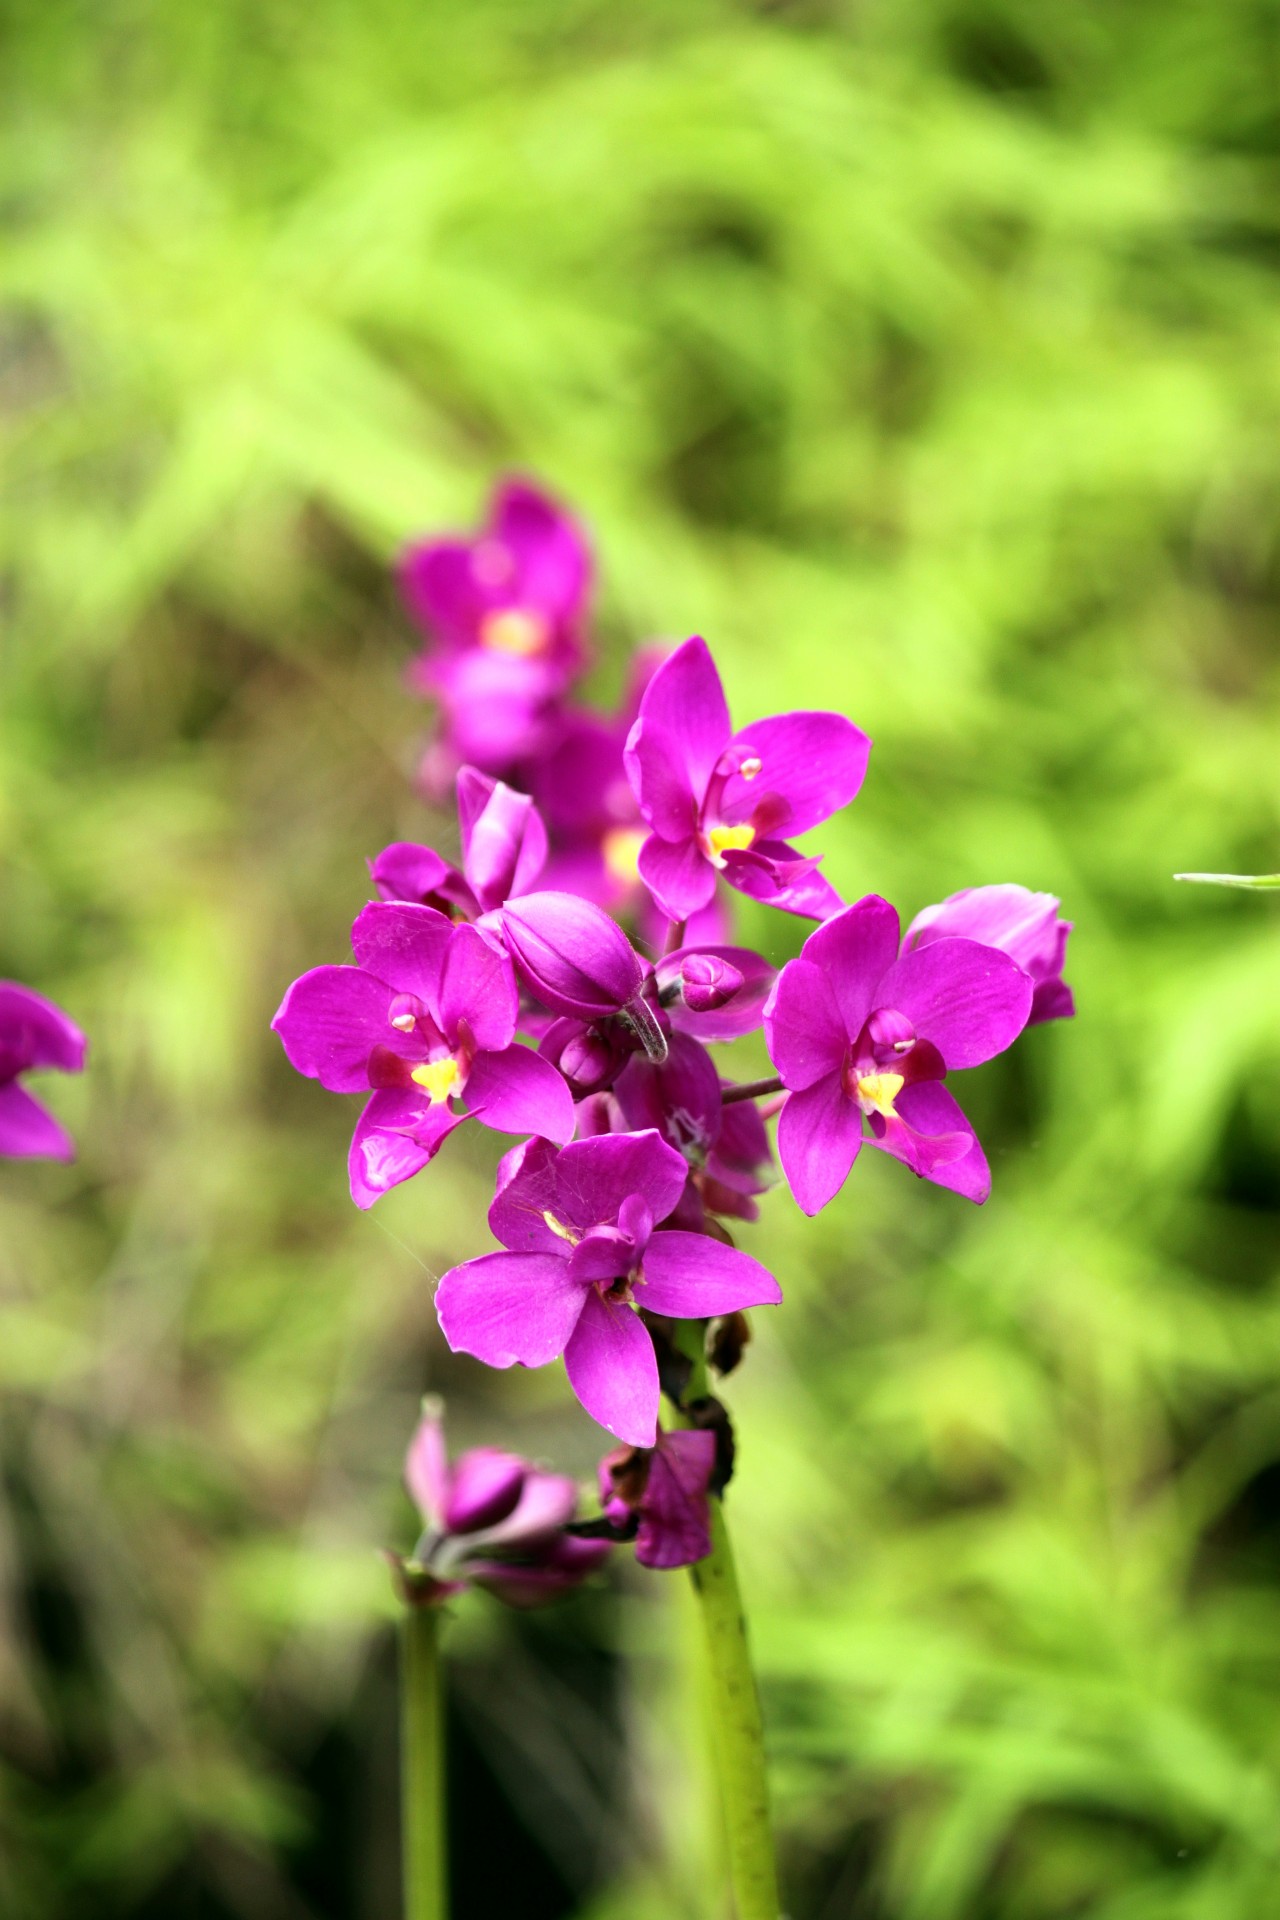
column 707, row 982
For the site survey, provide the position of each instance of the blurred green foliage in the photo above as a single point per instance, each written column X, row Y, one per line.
column 926, row 357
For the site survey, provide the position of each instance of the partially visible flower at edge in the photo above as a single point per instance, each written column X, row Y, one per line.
column 34, row 1034
column 489, row 1520
column 1027, row 926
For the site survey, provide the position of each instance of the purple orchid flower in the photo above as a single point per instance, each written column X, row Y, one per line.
column 858, row 1033
column 579, row 1226
column 504, row 846
column 1027, row 926
column 518, row 591
column 490, row 1520
column 427, row 1019
column 33, row 1034
column 717, row 803
column 663, row 1493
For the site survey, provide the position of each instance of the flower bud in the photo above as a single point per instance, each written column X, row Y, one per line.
column 570, row 954
column 484, row 1488
column 707, row 982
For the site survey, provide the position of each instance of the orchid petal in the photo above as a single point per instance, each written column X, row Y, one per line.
column 930, row 1117
column 509, row 1309
column 28, row 1131
column 854, row 950
column 396, row 1136
column 803, row 1028
column 690, row 1276
column 330, row 1021
column 515, row 1091
column 815, row 762
column 403, row 944
column 819, row 1136
column 477, row 986
column 971, row 1001
column 613, row 1370
column 678, row 875
column 36, row 1033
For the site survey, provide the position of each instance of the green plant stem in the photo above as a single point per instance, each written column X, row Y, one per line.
column 737, row 1735
column 422, row 1765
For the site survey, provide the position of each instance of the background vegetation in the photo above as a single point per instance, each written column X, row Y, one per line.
column 926, row 357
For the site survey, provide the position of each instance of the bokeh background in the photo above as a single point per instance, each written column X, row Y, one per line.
column 925, row 356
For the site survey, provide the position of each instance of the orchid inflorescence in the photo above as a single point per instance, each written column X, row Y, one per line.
column 509, row 991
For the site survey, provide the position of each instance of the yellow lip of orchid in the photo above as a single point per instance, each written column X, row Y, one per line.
column 722, row 840
column 878, row 1091
column 515, row 630
column 439, row 1077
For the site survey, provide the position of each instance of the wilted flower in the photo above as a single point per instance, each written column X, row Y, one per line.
column 34, row 1034
column 717, row 802
column 858, row 1033
column 1027, row 926
column 583, row 1252
column 490, row 1520
column 426, row 1018
column 662, row 1491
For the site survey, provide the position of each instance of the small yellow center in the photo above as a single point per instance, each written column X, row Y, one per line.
column 722, row 840
column 439, row 1077
column 559, row 1228
column 878, row 1091
column 621, row 849
column 515, row 630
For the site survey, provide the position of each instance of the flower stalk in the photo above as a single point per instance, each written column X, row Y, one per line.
column 422, row 1765
column 737, row 1734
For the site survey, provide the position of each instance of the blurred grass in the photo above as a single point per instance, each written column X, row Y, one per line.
column 926, row 358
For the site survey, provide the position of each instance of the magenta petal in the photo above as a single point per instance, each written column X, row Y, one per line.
column 613, row 1370
column 855, row 950
column 330, row 1021
column 819, row 1134
column 803, row 1029
column 395, row 1137
column 1052, row 1000
column 503, row 839
column 664, row 791
column 407, row 871
column 549, row 549
column 814, row 761
column 547, row 1501
column 36, row 1033
column 477, row 986
column 675, row 1522
column 971, row 1001
column 678, row 875
column 932, row 1114
column 28, row 1131
column 783, row 879
column 690, row 1276
column 515, row 1091
column 509, row 1309
column 681, row 1099
column 403, row 944
column 426, row 1467
column 484, row 1489
column 686, row 703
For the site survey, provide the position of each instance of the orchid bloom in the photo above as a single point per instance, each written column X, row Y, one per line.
column 582, row 1254
column 489, row 1520
column 859, row 1034
column 717, row 803
column 1027, row 926
column 504, row 847
column 427, row 1019
column 34, row 1034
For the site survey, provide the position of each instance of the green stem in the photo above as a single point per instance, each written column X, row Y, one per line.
column 422, row 1765
column 737, row 1736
